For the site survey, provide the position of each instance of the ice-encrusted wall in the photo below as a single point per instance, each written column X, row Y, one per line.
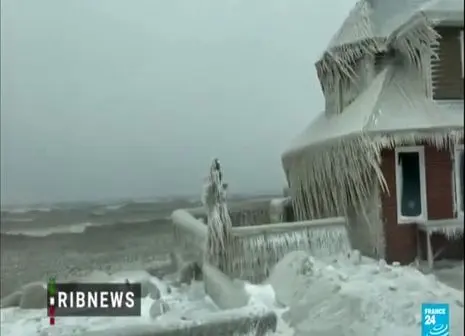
column 254, row 213
column 242, row 213
column 255, row 250
column 249, row 217
column 365, row 226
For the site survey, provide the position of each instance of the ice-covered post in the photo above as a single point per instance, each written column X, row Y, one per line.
column 218, row 220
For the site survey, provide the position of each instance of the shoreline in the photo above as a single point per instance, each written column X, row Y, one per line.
column 26, row 259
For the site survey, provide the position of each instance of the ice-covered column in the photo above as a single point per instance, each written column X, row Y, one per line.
column 218, row 220
column 278, row 209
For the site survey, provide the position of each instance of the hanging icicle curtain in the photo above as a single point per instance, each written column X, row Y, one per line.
column 326, row 179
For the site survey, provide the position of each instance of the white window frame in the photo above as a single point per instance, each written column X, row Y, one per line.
column 422, row 218
column 458, row 183
column 462, row 52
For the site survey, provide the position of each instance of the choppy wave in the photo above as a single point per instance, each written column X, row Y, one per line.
column 115, row 206
column 43, row 232
column 19, row 220
column 84, row 228
column 38, row 221
column 26, row 210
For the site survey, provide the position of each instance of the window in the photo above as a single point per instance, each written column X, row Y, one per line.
column 411, row 185
column 462, row 52
column 459, row 185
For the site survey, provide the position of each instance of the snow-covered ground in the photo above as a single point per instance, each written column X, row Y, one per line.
column 449, row 272
column 311, row 297
column 186, row 302
column 360, row 296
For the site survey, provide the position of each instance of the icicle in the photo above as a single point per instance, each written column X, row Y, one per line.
column 319, row 173
column 250, row 217
column 255, row 255
column 451, row 232
column 357, row 37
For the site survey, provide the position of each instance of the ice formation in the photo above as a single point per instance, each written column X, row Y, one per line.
column 450, row 232
column 218, row 222
column 270, row 246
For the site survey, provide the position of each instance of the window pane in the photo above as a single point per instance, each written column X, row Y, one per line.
column 410, row 192
column 461, row 184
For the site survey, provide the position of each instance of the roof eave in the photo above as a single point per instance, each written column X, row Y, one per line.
column 446, row 18
column 373, row 134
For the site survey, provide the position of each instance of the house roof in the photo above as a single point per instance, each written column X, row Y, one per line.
column 390, row 103
column 394, row 102
column 374, row 26
column 368, row 19
column 341, row 150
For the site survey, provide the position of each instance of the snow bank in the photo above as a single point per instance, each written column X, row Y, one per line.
column 316, row 297
column 188, row 303
column 358, row 296
column 187, row 310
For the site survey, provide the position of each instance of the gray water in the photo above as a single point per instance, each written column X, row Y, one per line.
column 68, row 241
column 71, row 241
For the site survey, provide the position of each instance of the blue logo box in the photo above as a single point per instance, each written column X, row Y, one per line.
column 435, row 319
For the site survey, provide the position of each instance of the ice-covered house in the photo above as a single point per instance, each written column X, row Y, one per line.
column 387, row 152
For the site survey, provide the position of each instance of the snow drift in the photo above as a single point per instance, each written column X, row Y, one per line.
column 358, row 296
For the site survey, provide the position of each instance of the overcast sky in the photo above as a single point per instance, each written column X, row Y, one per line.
column 133, row 98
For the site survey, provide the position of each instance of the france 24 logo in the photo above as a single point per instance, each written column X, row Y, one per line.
column 435, row 319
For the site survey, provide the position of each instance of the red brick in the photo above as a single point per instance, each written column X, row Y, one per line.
column 401, row 240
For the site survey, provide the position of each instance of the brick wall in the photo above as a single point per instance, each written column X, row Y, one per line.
column 401, row 240
column 439, row 189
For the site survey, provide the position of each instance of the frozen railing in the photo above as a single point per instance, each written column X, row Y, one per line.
column 257, row 247
column 190, row 235
column 190, row 230
column 248, row 213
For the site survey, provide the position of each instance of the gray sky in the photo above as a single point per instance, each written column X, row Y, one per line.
column 112, row 98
